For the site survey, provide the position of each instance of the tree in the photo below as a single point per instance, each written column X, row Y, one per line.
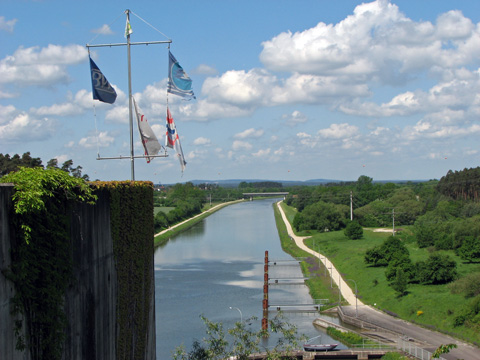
column 319, row 216
column 365, row 190
column 244, row 341
column 354, row 230
column 400, row 260
column 400, row 283
column 443, row 349
column 470, row 249
column 9, row 164
column 392, row 248
column 437, row 269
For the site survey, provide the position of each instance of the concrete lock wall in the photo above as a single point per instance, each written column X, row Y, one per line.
column 91, row 300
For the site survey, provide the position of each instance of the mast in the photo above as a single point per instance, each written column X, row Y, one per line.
column 128, row 44
column 130, row 113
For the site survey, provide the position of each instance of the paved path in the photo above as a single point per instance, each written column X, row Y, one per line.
column 345, row 290
column 395, row 327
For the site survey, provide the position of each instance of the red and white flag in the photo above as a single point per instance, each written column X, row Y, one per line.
column 173, row 141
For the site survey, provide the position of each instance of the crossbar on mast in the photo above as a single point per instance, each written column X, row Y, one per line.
column 128, row 157
column 133, row 43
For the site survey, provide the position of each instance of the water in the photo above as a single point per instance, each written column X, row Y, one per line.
column 218, row 264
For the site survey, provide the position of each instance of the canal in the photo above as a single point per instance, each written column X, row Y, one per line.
column 215, row 269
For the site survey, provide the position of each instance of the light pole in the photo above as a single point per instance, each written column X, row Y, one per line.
column 356, row 297
column 241, row 316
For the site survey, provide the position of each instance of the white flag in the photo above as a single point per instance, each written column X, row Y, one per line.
column 149, row 140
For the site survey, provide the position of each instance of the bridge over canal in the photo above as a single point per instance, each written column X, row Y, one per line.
column 263, row 194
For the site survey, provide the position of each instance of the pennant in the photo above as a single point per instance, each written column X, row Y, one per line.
column 178, row 81
column 101, row 88
column 147, row 136
column 173, row 141
column 128, row 28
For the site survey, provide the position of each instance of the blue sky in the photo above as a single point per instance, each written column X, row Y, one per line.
column 286, row 90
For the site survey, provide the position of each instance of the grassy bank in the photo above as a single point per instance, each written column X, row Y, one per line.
column 432, row 306
column 161, row 239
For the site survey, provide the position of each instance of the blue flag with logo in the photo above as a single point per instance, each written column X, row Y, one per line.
column 178, row 81
column 101, row 88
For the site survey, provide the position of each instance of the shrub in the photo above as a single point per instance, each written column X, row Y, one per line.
column 354, row 230
column 469, row 285
column 437, row 269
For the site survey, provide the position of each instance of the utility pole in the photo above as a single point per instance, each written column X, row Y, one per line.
column 393, row 220
column 351, row 205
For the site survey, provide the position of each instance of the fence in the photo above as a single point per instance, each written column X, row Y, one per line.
column 413, row 350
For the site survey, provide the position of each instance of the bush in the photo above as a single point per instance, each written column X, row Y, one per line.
column 468, row 285
column 354, row 230
column 470, row 249
column 160, row 221
column 390, row 249
column 437, row 269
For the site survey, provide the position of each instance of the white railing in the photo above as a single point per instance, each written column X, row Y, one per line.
column 413, row 350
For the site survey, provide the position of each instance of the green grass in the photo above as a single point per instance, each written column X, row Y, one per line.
column 438, row 304
column 165, row 209
column 162, row 240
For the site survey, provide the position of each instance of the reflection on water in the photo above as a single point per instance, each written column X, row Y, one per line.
column 218, row 264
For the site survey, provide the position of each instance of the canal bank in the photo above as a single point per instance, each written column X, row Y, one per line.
column 163, row 236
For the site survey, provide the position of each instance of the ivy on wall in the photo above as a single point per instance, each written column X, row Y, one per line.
column 131, row 217
column 41, row 267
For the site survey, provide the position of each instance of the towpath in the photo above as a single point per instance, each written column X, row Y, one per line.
column 345, row 290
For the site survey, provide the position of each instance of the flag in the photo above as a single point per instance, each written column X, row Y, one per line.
column 128, row 28
column 173, row 141
column 178, row 81
column 149, row 140
column 101, row 88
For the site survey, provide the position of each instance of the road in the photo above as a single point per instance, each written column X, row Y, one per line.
column 426, row 339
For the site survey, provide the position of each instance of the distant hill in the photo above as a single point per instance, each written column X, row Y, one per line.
column 236, row 182
column 313, row 182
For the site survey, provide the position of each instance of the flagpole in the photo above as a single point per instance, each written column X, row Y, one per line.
column 130, row 101
column 130, row 112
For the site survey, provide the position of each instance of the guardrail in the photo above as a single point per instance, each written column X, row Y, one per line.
column 415, row 351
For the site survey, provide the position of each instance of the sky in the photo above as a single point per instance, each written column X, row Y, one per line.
column 285, row 90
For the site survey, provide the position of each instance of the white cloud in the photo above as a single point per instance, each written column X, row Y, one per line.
column 262, row 153
column 41, row 66
column 249, row 133
column 377, row 42
column 241, row 145
column 203, row 69
column 339, row 131
column 240, row 88
column 104, row 30
column 104, row 139
column 22, row 127
column 66, row 109
column 7, row 25
column 6, row 113
column 201, row 141
column 296, row 117
column 454, row 94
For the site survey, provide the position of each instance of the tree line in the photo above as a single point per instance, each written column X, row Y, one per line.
column 13, row 163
